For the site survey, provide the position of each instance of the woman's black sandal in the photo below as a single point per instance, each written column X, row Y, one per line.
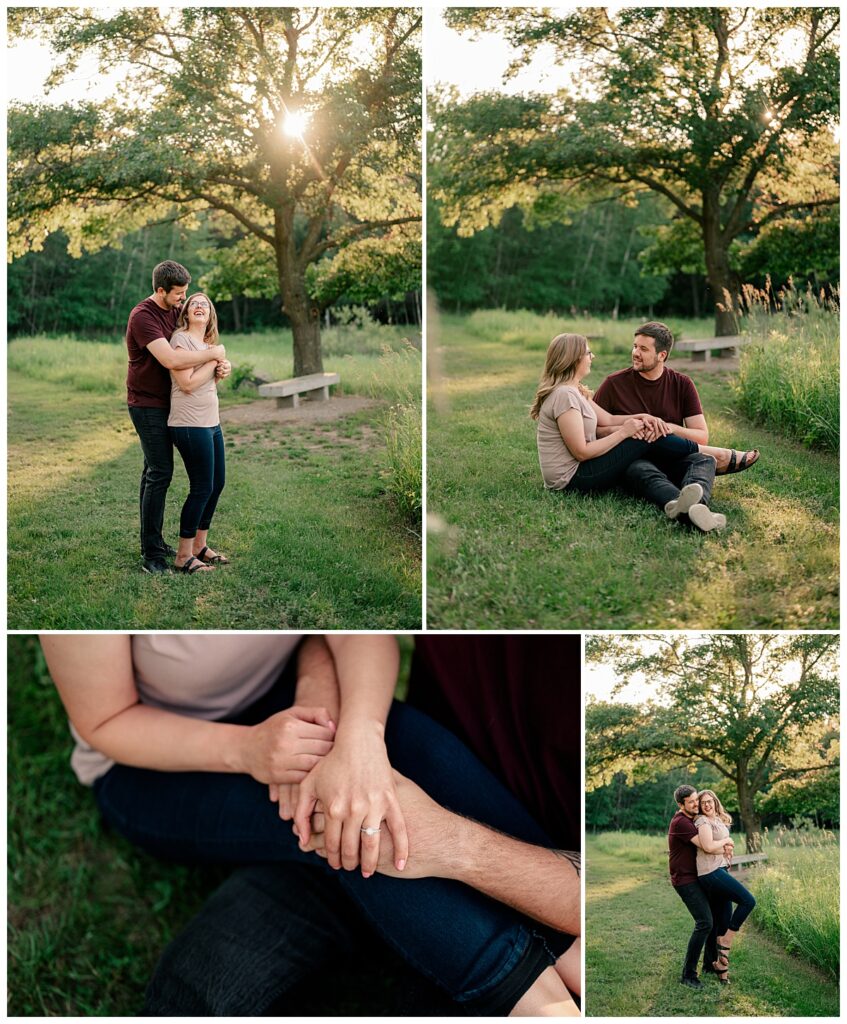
column 721, row 965
column 211, row 559
column 190, row 566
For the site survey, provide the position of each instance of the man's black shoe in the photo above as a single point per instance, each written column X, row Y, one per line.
column 156, row 566
column 169, row 551
column 694, row 983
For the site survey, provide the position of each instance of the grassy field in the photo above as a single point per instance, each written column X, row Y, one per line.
column 503, row 553
column 316, row 537
column 637, row 929
column 88, row 915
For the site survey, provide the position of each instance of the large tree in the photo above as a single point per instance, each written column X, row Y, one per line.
column 726, row 112
column 206, row 117
column 737, row 702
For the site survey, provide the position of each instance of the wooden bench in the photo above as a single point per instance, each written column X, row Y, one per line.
column 287, row 392
column 745, row 860
column 701, row 348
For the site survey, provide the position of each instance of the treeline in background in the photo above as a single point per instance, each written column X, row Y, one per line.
column 51, row 292
column 617, row 258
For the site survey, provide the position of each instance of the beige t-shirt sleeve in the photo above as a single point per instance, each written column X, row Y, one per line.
column 180, row 340
column 562, row 400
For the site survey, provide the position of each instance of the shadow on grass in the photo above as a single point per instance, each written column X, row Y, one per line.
column 314, row 540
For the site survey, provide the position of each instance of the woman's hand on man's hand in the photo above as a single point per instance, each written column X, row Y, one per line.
column 355, row 785
column 432, row 835
column 285, row 747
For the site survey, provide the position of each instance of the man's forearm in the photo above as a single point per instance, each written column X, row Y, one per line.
column 182, row 359
column 699, row 436
column 541, row 883
column 317, row 683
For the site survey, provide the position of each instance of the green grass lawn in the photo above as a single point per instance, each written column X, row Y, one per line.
column 315, row 540
column 637, row 929
column 88, row 915
column 505, row 554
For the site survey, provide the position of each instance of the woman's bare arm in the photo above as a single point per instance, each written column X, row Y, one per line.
column 708, row 844
column 355, row 783
column 190, row 379
column 573, row 434
column 95, row 680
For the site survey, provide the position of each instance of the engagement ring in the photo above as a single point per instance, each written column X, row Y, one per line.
column 370, row 831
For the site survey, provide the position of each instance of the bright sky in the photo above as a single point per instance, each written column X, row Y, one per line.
column 477, row 64
column 600, row 679
column 29, row 63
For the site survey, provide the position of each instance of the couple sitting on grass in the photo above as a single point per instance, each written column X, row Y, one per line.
column 643, row 430
column 699, row 857
column 175, row 362
column 439, row 826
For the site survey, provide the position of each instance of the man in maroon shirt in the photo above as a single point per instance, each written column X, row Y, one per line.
column 650, row 386
column 148, row 386
column 683, row 842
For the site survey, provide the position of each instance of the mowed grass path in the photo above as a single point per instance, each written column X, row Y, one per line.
column 314, row 540
column 637, row 929
column 507, row 554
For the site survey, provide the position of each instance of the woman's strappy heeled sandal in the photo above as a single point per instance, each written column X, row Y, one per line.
column 721, row 965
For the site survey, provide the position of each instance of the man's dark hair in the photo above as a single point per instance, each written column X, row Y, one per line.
column 660, row 333
column 170, row 274
column 682, row 793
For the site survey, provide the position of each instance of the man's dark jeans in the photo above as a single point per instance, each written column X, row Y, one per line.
column 608, row 470
column 151, row 425
column 662, row 482
column 483, row 953
column 699, row 906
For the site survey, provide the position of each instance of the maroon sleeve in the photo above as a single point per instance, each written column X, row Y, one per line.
column 145, row 328
column 683, row 828
column 603, row 396
column 690, row 400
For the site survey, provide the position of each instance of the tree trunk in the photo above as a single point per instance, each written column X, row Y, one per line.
column 751, row 821
column 304, row 315
column 721, row 279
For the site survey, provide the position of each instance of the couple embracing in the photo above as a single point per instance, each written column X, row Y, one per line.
column 644, row 430
column 700, row 856
column 175, row 362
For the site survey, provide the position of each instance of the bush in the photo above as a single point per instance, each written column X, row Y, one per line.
column 789, row 376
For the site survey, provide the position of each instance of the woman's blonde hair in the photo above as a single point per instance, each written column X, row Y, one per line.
column 564, row 354
column 720, row 813
column 211, row 336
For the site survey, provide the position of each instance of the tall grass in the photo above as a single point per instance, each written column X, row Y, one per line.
column 534, row 331
column 789, row 375
column 353, row 350
column 400, row 372
column 797, row 895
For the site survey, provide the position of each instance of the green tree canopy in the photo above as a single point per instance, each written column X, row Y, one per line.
column 200, row 122
column 756, row 708
column 726, row 112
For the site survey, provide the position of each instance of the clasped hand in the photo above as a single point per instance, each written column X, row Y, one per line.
column 651, row 428
column 287, row 746
column 355, row 786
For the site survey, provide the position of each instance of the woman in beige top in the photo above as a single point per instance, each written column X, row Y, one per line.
column 195, row 429
column 714, row 857
column 570, row 452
